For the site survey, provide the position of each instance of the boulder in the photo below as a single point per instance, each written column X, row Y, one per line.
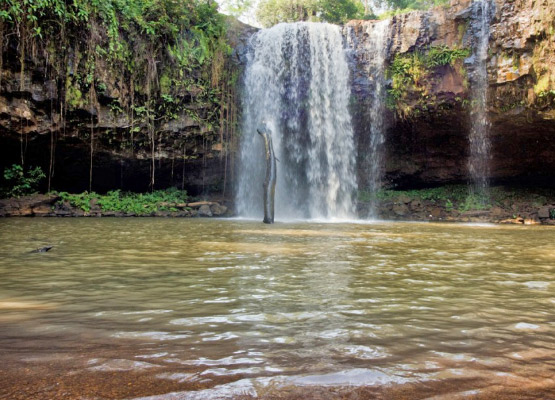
column 543, row 212
column 400, row 210
column 404, row 199
column 218, row 210
column 415, row 204
column 204, row 211
column 435, row 212
column 43, row 211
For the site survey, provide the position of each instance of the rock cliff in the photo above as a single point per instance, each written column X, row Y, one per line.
column 88, row 122
column 44, row 121
column 428, row 123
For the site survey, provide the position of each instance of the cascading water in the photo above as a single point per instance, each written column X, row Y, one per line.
column 377, row 51
column 297, row 86
column 478, row 162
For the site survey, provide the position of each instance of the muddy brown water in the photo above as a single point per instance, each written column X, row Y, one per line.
column 209, row 309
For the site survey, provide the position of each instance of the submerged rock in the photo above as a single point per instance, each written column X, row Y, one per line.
column 42, row 249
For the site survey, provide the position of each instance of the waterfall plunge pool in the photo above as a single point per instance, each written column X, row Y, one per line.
column 204, row 309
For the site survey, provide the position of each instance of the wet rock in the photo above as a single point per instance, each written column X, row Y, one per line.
column 62, row 213
column 404, row 199
column 476, row 213
column 400, row 210
column 204, row 211
column 42, row 249
column 415, row 204
column 435, row 212
column 218, row 210
column 516, row 221
column 43, row 211
column 544, row 212
column 497, row 212
column 39, row 205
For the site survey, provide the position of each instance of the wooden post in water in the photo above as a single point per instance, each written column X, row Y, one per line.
column 270, row 181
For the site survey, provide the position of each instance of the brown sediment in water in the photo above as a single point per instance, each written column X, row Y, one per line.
column 53, row 381
column 438, row 311
column 117, row 372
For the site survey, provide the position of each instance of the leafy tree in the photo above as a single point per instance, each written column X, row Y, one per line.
column 237, row 7
column 339, row 11
column 271, row 12
column 411, row 4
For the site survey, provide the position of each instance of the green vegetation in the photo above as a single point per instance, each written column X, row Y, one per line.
column 237, row 7
column 150, row 60
column 411, row 77
column 19, row 182
column 458, row 197
column 271, row 12
column 450, row 197
column 396, row 7
column 127, row 202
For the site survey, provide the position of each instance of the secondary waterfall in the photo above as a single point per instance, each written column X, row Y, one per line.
column 377, row 51
column 297, row 86
column 480, row 146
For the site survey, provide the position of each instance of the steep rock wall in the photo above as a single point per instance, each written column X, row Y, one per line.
column 426, row 140
column 427, row 132
column 49, row 110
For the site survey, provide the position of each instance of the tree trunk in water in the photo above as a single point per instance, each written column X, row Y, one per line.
column 270, row 181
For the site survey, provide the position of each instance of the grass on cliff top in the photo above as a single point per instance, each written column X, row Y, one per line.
column 458, row 197
column 127, row 202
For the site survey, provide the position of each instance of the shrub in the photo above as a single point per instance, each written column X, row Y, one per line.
column 20, row 182
column 128, row 202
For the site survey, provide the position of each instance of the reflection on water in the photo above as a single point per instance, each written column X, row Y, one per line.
column 220, row 308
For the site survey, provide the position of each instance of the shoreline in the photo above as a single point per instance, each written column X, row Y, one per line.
column 397, row 207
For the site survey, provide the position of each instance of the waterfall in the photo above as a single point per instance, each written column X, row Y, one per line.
column 480, row 146
column 377, row 50
column 297, row 87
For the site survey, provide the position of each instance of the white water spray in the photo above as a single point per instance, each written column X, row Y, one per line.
column 377, row 50
column 480, row 145
column 297, row 85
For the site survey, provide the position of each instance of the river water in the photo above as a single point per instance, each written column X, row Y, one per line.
column 198, row 309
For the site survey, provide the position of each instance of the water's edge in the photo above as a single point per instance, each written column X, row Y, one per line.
column 528, row 212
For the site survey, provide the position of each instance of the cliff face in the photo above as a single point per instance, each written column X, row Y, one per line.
column 427, row 126
column 144, row 115
column 35, row 122
column 47, row 119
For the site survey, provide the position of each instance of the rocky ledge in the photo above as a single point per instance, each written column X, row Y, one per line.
column 444, row 204
column 417, row 210
column 505, row 205
column 51, row 205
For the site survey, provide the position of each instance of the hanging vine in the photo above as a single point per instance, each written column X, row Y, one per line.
column 169, row 59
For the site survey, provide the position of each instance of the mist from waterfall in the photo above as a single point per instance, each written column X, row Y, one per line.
column 480, row 145
column 297, row 87
column 377, row 51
